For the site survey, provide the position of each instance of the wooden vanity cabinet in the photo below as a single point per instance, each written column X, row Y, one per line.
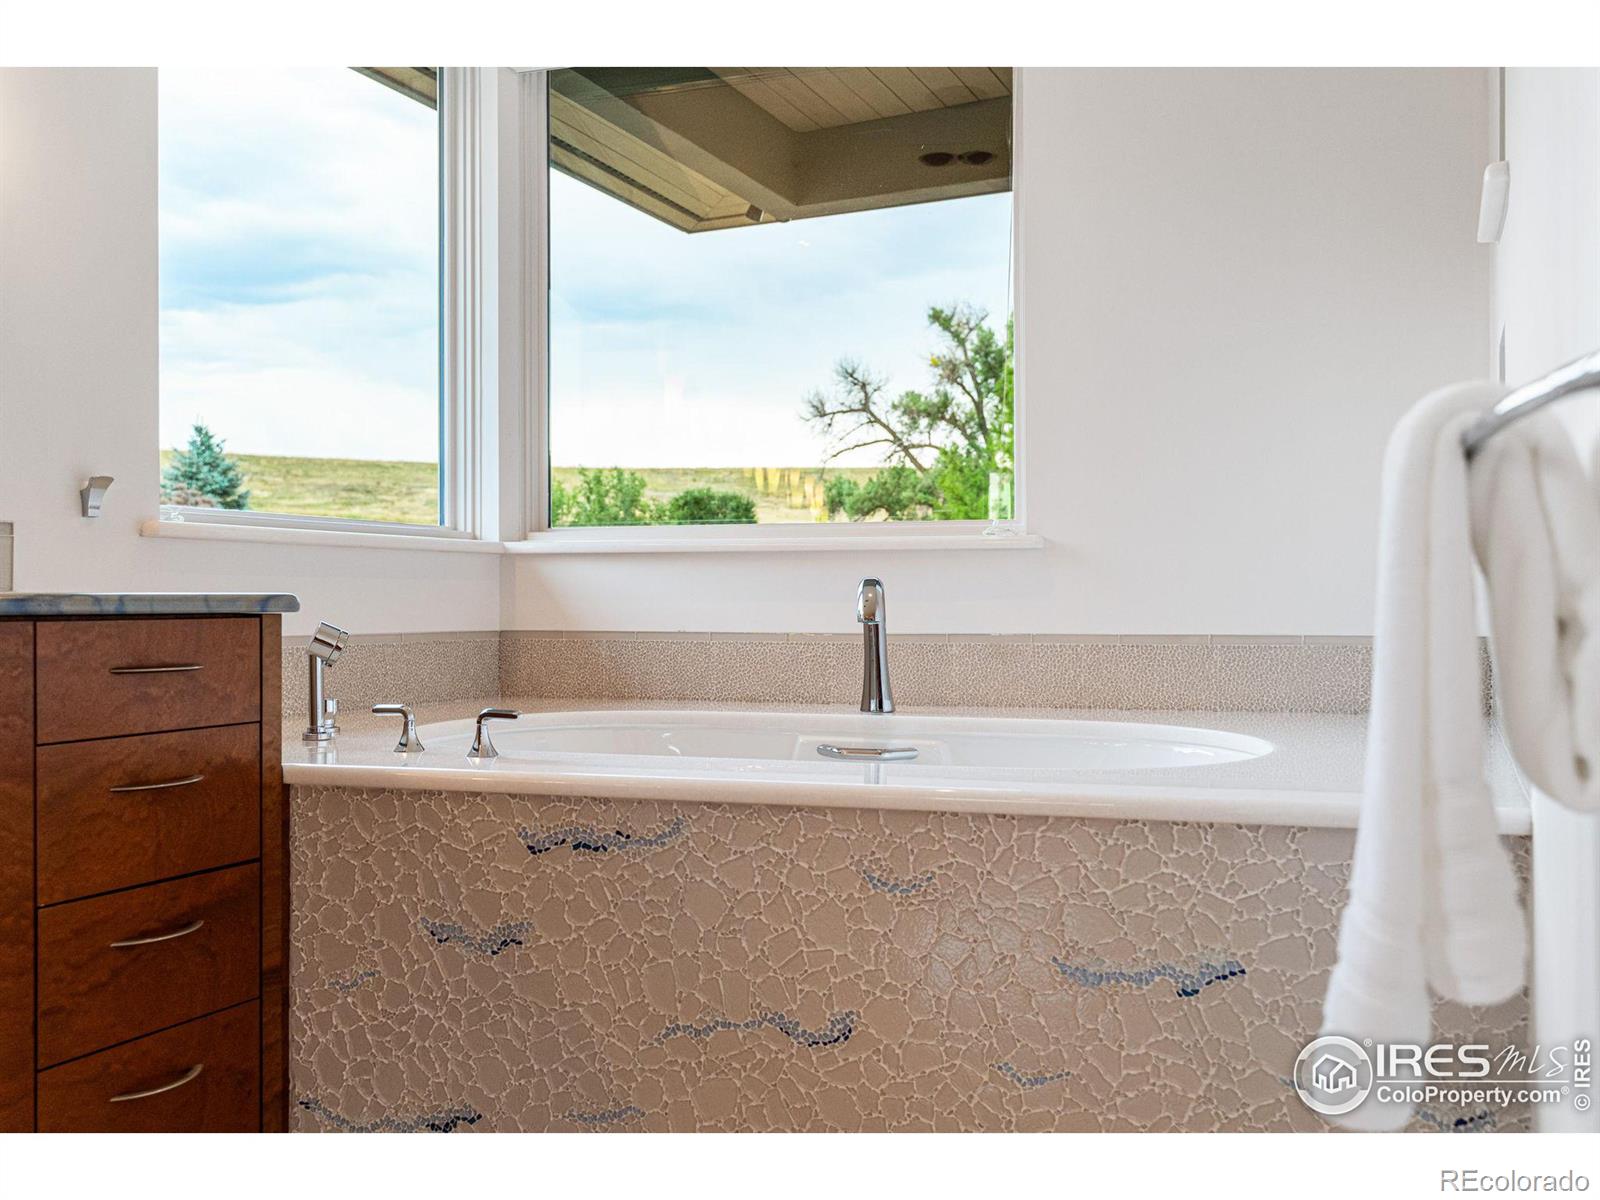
column 143, row 875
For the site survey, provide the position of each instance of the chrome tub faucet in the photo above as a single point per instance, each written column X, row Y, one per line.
column 327, row 643
column 875, row 694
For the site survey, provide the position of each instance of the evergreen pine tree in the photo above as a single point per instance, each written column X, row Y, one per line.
column 204, row 475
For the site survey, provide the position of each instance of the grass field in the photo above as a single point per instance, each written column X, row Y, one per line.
column 782, row 494
column 354, row 488
column 365, row 490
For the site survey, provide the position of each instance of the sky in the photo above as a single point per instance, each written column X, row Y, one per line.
column 299, row 263
column 299, row 243
column 675, row 349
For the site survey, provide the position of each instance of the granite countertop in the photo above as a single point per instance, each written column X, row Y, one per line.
column 1312, row 777
column 144, row 604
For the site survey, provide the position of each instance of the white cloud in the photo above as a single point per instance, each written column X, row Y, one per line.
column 299, row 243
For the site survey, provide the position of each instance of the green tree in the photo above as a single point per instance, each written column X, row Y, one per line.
column 708, row 506
column 951, row 436
column 204, row 475
column 898, row 493
column 838, row 494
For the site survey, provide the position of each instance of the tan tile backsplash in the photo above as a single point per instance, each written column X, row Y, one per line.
column 1201, row 674
column 410, row 668
column 1265, row 674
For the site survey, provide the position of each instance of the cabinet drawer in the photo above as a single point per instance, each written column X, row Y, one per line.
column 130, row 1089
column 126, row 811
column 189, row 947
column 113, row 677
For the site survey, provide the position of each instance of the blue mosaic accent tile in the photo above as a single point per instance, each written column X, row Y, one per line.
column 839, row 1029
column 1478, row 1122
column 488, row 945
column 1188, row 978
column 444, row 1121
column 353, row 982
column 586, row 839
column 1029, row 1082
column 877, row 876
column 610, row 1116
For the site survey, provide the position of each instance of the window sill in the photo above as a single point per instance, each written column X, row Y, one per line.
column 565, row 541
column 290, row 535
column 586, row 542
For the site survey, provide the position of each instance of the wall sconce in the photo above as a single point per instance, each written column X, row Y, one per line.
column 93, row 492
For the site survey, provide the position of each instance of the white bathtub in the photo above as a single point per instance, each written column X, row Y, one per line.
column 894, row 743
column 1246, row 768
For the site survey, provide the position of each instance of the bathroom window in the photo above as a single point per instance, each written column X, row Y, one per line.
column 779, row 295
column 299, row 312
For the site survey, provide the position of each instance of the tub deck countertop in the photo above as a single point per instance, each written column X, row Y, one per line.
column 144, row 604
column 1311, row 778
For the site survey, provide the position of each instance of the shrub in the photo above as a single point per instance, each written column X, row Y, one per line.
column 838, row 494
column 611, row 496
column 707, row 506
column 898, row 492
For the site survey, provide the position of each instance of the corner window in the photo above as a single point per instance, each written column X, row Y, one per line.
column 299, row 257
column 779, row 295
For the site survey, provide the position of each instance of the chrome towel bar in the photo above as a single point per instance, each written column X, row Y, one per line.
column 1528, row 399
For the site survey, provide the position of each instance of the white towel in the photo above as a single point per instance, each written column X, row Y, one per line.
column 1432, row 892
column 1536, row 526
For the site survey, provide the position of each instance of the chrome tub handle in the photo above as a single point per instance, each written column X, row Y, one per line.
column 409, row 742
column 868, row 753
column 482, row 743
column 188, row 1076
column 156, row 787
column 160, row 937
column 157, row 670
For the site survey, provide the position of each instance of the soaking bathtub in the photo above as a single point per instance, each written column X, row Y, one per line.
column 689, row 910
column 1266, row 768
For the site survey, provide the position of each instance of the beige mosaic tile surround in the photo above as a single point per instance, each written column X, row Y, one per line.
column 1199, row 673
column 715, row 967
column 409, row 668
column 1195, row 673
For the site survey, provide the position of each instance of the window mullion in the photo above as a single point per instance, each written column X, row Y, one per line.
column 466, row 300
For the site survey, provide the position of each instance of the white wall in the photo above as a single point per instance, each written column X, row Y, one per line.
column 1548, row 296
column 1234, row 282
column 1547, row 273
column 78, row 381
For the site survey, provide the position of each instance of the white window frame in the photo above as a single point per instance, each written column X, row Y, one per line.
column 468, row 157
column 534, row 264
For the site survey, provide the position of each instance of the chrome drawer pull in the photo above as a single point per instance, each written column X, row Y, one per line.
column 157, row 670
column 869, row 753
column 156, row 787
column 188, row 1076
column 160, row 937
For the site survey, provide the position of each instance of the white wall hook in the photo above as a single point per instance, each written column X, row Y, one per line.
column 1494, row 202
column 93, row 492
